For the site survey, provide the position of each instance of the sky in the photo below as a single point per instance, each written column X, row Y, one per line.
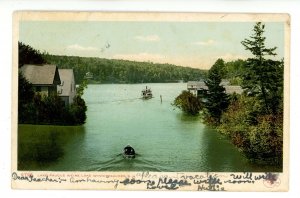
column 192, row 44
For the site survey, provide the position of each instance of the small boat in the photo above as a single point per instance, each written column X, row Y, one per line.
column 146, row 93
column 128, row 152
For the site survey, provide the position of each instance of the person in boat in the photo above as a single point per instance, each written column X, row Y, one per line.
column 128, row 150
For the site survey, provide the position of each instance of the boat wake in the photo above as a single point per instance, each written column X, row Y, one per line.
column 119, row 163
column 114, row 101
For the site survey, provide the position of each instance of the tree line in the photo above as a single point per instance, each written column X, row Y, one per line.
column 124, row 71
column 253, row 120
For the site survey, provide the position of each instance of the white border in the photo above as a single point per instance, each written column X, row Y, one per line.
column 256, row 6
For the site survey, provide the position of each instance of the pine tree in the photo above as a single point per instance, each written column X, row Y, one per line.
column 216, row 100
column 25, row 97
column 28, row 55
column 263, row 77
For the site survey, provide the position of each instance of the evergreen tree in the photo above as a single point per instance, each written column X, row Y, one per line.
column 28, row 55
column 263, row 77
column 216, row 100
column 25, row 92
column 25, row 97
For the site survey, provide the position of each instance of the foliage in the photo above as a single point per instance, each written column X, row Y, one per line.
column 263, row 77
column 234, row 71
column 28, row 55
column 216, row 100
column 25, row 89
column 237, row 81
column 80, row 89
column 266, row 139
column 52, row 110
column 258, row 136
column 254, row 120
column 25, row 96
column 123, row 71
column 257, row 43
column 78, row 109
column 188, row 103
column 48, row 109
column 241, row 113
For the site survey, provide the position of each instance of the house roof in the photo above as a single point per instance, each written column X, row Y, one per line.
column 39, row 75
column 200, row 84
column 66, row 78
column 233, row 89
column 197, row 85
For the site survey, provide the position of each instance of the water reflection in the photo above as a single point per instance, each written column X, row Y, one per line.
column 40, row 146
column 216, row 152
column 183, row 117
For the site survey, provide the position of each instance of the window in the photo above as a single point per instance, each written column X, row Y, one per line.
column 60, row 91
column 38, row 89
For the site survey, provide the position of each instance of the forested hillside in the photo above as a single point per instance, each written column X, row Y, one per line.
column 123, row 71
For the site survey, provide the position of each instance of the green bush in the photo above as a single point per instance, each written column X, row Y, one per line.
column 78, row 109
column 52, row 110
column 258, row 136
column 266, row 139
column 188, row 103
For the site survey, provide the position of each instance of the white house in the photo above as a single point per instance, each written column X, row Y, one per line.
column 67, row 89
column 195, row 86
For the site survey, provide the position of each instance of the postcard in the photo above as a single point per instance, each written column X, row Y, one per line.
column 150, row 101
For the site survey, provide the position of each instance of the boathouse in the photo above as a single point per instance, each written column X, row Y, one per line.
column 199, row 87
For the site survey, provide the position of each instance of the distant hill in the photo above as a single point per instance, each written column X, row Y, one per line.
column 99, row 70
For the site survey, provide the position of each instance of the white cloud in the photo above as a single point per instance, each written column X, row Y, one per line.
column 149, row 38
column 205, row 43
column 140, row 57
column 77, row 47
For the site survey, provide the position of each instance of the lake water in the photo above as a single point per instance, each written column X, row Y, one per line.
column 164, row 138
